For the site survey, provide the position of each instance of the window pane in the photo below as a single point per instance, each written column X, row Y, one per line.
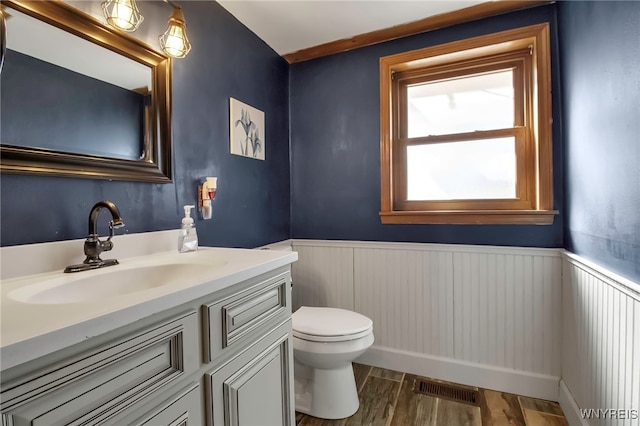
column 470, row 170
column 479, row 102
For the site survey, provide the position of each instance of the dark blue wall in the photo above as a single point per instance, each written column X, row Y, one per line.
column 600, row 51
column 252, row 204
column 51, row 107
column 335, row 146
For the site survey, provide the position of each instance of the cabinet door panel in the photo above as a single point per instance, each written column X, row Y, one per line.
column 260, row 383
column 254, row 388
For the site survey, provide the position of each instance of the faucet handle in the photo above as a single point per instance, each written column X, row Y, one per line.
column 114, row 225
column 106, row 245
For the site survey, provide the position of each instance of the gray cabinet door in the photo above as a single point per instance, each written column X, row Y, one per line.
column 254, row 389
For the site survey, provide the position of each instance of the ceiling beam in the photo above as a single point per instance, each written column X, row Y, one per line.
column 468, row 14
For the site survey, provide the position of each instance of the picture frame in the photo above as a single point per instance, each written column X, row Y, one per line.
column 246, row 130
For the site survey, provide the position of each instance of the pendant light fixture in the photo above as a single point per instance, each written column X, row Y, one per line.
column 174, row 41
column 123, row 14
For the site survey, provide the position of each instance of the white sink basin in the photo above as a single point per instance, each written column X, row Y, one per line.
column 105, row 283
column 50, row 310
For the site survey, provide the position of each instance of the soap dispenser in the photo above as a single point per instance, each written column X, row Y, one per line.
column 188, row 238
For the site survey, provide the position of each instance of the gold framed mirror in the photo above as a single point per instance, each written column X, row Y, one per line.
column 84, row 125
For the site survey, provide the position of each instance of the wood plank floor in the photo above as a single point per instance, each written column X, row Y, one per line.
column 388, row 398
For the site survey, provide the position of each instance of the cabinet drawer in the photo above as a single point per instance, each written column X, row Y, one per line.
column 183, row 409
column 251, row 311
column 99, row 386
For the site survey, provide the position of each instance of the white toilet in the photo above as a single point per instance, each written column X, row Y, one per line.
column 325, row 341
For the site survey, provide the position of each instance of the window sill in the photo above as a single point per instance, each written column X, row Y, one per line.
column 470, row 217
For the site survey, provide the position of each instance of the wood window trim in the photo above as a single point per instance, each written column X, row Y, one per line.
column 525, row 194
column 538, row 208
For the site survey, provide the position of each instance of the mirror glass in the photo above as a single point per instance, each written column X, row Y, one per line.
column 79, row 98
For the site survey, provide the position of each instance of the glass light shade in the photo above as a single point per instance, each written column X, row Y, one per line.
column 123, row 14
column 174, row 41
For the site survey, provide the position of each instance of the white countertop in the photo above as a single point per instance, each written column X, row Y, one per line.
column 29, row 330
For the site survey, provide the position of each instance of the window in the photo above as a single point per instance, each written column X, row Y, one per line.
column 466, row 131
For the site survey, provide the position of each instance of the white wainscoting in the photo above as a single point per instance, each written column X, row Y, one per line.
column 601, row 343
column 323, row 277
column 479, row 315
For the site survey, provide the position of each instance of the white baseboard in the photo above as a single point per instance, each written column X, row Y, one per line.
column 569, row 406
column 485, row 376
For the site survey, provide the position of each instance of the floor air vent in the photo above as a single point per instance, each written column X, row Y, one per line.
column 446, row 391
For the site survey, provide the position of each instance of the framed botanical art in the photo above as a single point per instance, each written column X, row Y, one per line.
column 246, row 132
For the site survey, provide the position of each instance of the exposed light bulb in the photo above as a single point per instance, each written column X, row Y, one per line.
column 123, row 14
column 174, row 41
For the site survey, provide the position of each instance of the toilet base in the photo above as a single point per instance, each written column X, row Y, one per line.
column 326, row 394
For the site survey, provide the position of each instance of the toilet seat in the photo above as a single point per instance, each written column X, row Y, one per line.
column 340, row 338
column 329, row 324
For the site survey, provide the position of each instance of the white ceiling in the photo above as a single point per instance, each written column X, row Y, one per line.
column 291, row 25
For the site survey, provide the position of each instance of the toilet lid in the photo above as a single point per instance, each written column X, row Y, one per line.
column 313, row 323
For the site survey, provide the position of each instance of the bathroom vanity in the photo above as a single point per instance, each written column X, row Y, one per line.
column 164, row 339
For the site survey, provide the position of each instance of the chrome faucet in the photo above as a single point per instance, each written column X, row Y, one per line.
column 93, row 246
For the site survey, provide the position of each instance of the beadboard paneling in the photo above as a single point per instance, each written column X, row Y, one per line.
column 323, row 276
column 507, row 310
column 601, row 340
column 500, row 317
column 409, row 296
column 497, row 307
